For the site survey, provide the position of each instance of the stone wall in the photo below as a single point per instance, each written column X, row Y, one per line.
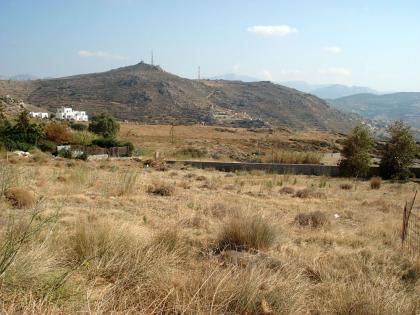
column 299, row 169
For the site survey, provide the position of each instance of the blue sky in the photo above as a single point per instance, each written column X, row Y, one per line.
column 371, row 43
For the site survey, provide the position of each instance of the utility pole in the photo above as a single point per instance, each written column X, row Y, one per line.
column 199, row 75
column 151, row 61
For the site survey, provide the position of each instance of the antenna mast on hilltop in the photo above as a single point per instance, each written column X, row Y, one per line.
column 199, row 75
column 151, row 61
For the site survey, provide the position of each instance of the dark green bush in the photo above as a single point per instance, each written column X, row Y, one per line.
column 84, row 156
column 104, row 125
column 399, row 152
column 78, row 126
column 356, row 153
column 106, row 142
column 47, row 145
column 64, row 153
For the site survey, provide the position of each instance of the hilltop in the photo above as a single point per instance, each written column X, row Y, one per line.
column 328, row 91
column 148, row 94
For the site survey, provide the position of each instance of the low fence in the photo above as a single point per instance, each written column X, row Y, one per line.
column 298, row 169
column 410, row 234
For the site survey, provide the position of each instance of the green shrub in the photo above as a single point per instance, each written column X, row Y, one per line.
column 104, row 125
column 399, row 152
column 64, row 153
column 83, row 137
column 356, row 153
column 106, row 142
column 84, row 156
column 78, row 126
column 47, row 145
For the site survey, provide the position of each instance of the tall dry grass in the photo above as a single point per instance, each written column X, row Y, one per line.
column 292, row 157
column 144, row 254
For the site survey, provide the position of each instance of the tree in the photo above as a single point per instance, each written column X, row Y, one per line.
column 104, row 125
column 356, row 153
column 58, row 133
column 399, row 152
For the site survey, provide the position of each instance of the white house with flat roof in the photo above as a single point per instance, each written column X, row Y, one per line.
column 67, row 113
column 41, row 115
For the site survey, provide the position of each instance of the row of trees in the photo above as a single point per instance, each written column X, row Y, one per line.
column 26, row 134
column 397, row 156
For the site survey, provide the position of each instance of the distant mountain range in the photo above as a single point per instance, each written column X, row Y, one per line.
column 328, row 91
column 148, row 94
column 325, row 91
column 19, row 77
column 395, row 106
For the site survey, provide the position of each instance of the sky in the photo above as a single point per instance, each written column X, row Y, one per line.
column 354, row 42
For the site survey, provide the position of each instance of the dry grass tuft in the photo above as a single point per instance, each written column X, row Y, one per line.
column 201, row 178
column 346, row 186
column 315, row 219
column 161, row 188
column 375, row 182
column 20, row 198
column 287, row 190
column 244, row 233
column 309, row 193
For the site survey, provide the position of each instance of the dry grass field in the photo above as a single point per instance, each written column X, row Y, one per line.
column 116, row 238
column 232, row 144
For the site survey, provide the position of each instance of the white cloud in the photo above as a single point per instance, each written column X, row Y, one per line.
column 267, row 75
column 333, row 49
column 272, row 30
column 99, row 54
column 335, row 71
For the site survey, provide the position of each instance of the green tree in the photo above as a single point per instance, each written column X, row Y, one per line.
column 105, row 125
column 399, row 152
column 23, row 135
column 356, row 153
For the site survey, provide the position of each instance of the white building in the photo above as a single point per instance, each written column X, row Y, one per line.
column 69, row 114
column 39, row 115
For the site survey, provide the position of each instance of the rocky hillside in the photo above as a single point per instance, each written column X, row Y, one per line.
column 148, row 94
column 11, row 107
column 387, row 107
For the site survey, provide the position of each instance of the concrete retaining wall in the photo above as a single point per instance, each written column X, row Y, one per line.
column 299, row 169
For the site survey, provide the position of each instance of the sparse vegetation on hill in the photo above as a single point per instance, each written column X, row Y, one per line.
column 148, row 94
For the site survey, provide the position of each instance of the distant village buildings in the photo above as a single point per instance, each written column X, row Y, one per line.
column 41, row 115
column 67, row 113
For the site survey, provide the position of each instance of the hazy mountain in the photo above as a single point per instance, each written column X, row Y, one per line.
column 303, row 86
column 338, row 90
column 327, row 91
column 234, row 77
column 19, row 77
column 394, row 106
column 148, row 94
